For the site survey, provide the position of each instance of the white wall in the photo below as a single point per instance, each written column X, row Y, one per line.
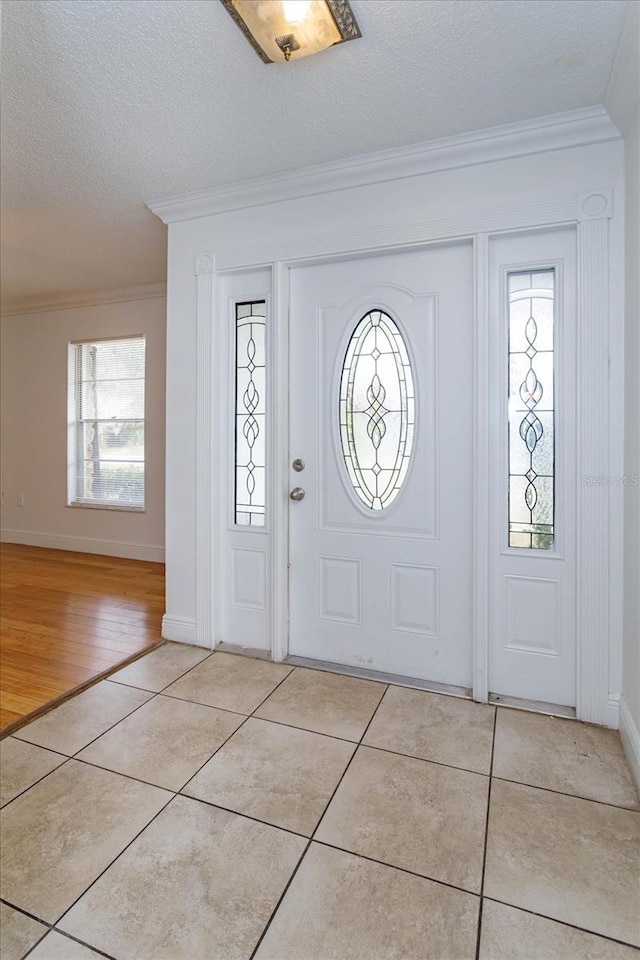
column 631, row 641
column 622, row 102
column 34, row 431
column 254, row 229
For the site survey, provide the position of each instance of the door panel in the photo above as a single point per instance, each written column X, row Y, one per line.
column 383, row 588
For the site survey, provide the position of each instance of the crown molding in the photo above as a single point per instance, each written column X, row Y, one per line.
column 557, row 132
column 69, row 301
column 623, row 90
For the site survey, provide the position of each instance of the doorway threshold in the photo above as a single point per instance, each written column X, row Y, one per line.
column 446, row 689
column 533, row 706
column 253, row 652
column 328, row 667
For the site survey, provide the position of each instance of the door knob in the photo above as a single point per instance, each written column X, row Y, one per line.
column 297, row 493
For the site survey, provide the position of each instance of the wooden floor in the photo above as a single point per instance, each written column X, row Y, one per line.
column 67, row 617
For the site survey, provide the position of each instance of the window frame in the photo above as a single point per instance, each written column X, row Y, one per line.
column 75, row 424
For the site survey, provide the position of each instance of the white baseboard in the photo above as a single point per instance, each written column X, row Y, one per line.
column 630, row 736
column 180, row 630
column 107, row 548
column 613, row 711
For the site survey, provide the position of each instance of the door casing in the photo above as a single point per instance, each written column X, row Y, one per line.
column 593, row 523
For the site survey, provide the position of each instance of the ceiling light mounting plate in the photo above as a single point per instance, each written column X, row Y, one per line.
column 293, row 30
column 288, row 44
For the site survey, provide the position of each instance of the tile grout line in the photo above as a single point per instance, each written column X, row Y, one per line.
column 571, row 796
column 156, row 693
column 14, row 728
column 112, row 862
column 294, row 667
column 50, row 928
column 32, row 916
column 565, row 923
column 311, row 838
column 388, row 685
column 246, row 717
column 152, row 696
column 438, row 763
column 181, row 675
column 60, row 753
column 127, row 776
column 68, row 936
column 130, row 776
column 36, row 782
column 307, row 845
column 73, row 756
column 280, row 899
column 106, row 679
column 486, row 833
column 330, row 846
column 203, row 765
column 245, row 816
column 164, row 807
column 357, row 747
column 37, row 920
column 292, row 726
column 161, row 693
column 394, row 866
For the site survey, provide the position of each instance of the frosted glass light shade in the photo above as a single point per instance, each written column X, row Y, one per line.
column 280, row 30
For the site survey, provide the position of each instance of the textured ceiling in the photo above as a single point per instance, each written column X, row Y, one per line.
column 107, row 103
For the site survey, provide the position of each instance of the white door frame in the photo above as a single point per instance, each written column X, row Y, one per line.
column 590, row 214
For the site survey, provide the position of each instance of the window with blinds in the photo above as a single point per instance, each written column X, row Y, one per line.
column 106, row 423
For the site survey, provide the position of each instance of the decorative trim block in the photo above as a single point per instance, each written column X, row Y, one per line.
column 595, row 206
column 204, row 264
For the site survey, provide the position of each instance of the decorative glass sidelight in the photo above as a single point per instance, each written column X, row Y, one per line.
column 250, row 397
column 377, row 410
column 531, row 409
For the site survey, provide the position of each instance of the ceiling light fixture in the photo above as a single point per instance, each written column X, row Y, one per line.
column 292, row 29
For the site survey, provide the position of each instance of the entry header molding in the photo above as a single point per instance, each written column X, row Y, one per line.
column 575, row 128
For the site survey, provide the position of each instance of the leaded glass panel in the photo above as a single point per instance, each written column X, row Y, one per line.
column 250, row 411
column 531, row 428
column 377, row 410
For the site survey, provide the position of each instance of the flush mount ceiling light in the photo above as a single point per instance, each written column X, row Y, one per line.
column 292, row 29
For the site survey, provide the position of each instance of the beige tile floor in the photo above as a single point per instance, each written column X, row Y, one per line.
column 213, row 807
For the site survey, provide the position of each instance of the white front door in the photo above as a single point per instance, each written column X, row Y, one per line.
column 381, row 400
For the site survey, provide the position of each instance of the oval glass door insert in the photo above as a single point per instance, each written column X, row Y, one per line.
column 377, row 410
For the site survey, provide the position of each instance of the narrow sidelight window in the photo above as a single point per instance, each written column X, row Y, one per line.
column 250, row 408
column 531, row 409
